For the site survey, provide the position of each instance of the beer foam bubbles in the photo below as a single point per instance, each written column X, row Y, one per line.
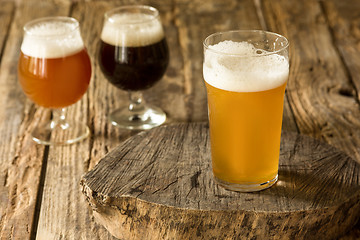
column 132, row 30
column 52, row 40
column 240, row 67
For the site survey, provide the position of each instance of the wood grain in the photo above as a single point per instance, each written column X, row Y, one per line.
column 322, row 90
column 204, row 21
column 323, row 94
column 65, row 165
column 319, row 86
column 22, row 160
column 343, row 18
column 5, row 17
column 158, row 185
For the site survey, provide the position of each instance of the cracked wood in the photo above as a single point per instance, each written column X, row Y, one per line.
column 158, row 185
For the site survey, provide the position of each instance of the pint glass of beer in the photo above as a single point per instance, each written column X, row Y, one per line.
column 245, row 74
column 133, row 56
column 54, row 71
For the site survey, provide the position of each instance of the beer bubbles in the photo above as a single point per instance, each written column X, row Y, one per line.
column 243, row 67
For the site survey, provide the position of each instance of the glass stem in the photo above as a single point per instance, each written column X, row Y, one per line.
column 58, row 118
column 137, row 105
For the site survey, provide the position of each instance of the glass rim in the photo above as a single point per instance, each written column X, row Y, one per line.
column 207, row 46
column 27, row 27
column 154, row 16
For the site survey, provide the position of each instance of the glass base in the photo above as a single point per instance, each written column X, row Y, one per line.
column 60, row 134
column 150, row 118
column 246, row 187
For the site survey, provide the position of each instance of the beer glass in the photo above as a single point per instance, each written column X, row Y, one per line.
column 245, row 74
column 133, row 56
column 54, row 71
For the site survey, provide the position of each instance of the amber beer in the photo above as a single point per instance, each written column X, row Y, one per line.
column 55, row 71
column 245, row 89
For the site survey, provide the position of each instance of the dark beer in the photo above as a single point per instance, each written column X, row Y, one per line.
column 134, row 68
column 133, row 55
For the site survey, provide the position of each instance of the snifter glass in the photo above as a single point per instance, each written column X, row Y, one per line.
column 54, row 71
column 133, row 56
column 245, row 74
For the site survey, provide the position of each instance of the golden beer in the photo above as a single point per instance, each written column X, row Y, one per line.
column 245, row 134
column 245, row 74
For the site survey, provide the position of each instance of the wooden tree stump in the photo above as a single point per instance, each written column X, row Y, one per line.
column 158, row 185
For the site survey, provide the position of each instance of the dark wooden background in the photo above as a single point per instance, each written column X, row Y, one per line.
column 40, row 195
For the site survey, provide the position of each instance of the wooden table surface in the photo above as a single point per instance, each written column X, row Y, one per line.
column 40, row 196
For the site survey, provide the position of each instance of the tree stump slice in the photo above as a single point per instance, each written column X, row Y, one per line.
column 158, row 185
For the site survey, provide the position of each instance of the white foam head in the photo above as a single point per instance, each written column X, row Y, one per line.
column 132, row 30
column 49, row 38
column 240, row 67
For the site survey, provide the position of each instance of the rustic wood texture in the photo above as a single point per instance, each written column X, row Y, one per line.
column 343, row 18
column 158, row 185
column 322, row 98
column 21, row 162
column 65, row 165
column 321, row 95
